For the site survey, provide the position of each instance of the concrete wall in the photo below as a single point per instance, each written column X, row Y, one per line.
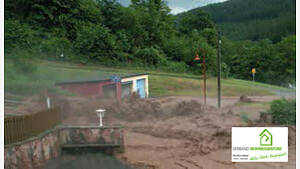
column 37, row 151
column 92, row 135
column 134, row 79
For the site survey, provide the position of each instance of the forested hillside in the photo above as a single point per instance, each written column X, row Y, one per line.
column 105, row 32
column 254, row 19
column 145, row 34
column 255, row 34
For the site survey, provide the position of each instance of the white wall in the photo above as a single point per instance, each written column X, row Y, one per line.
column 134, row 79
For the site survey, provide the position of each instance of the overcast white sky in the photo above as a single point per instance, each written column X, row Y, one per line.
column 178, row 6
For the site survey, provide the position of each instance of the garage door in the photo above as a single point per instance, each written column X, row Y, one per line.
column 140, row 84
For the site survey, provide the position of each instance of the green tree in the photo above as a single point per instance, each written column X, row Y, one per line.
column 194, row 20
column 18, row 35
column 153, row 22
column 95, row 42
column 274, row 63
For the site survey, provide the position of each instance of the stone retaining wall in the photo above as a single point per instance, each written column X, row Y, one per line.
column 92, row 135
column 35, row 152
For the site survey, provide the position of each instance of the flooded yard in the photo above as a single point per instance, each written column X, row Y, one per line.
column 85, row 161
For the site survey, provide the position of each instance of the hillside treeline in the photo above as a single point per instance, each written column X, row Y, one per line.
column 144, row 34
column 105, row 32
column 254, row 19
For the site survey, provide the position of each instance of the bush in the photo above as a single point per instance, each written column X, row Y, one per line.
column 149, row 56
column 283, row 111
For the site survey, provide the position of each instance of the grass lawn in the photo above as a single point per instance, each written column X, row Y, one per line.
column 160, row 83
column 166, row 86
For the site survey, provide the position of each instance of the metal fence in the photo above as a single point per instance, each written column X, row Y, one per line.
column 19, row 128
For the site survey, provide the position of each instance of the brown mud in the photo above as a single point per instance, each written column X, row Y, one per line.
column 176, row 132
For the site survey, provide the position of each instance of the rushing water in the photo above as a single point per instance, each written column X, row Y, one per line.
column 86, row 161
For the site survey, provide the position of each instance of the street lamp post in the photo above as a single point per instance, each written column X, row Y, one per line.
column 100, row 114
column 204, row 74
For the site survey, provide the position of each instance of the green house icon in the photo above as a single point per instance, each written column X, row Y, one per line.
column 266, row 138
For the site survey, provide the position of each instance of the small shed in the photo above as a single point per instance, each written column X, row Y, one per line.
column 113, row 86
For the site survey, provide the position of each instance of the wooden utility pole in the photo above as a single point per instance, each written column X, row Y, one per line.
column 219, row 69
column 204, row 79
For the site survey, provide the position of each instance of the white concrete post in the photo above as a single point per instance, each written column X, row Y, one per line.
column 48, row 102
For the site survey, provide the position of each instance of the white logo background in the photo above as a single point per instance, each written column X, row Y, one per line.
column 249, row 137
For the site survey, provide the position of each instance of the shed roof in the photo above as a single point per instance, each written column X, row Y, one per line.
column 102, row 78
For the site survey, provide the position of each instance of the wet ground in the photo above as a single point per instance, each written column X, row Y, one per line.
column 86, row 161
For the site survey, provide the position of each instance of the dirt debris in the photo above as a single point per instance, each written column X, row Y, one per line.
column 132, row 108
column 245, row 99
column 188, row 108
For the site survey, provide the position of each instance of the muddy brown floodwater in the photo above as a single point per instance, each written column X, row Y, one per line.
column 177, row 132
